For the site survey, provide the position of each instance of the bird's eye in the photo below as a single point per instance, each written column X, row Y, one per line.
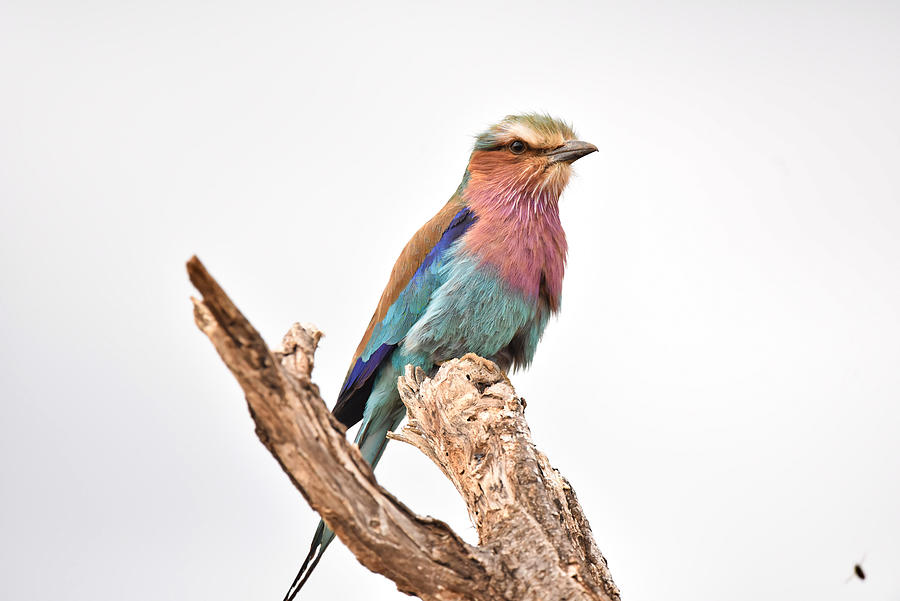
column 517, row 147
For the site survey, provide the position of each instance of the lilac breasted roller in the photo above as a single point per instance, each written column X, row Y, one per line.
column 482, row 276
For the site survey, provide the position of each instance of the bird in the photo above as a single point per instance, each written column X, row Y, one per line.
column 483, row 276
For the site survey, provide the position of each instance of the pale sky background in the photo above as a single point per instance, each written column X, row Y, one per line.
column 722, row 386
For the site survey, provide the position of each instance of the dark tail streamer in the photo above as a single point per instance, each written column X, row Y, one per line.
column 304, row 574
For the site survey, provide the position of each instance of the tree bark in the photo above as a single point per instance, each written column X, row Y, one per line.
column 535, row 542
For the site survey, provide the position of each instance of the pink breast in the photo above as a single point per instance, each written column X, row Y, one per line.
column 527, row 246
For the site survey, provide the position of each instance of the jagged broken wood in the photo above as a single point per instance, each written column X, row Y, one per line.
column 535, row 542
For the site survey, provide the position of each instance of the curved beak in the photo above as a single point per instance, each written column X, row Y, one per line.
column 571, row 151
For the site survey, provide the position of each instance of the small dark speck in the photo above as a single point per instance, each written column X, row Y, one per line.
column 858, row 571
column 479, row 456
column 468, row 377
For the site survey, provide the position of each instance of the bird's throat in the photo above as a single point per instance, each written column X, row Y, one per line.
column 519, row 234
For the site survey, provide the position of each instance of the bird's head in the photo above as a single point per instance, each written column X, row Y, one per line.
column 523, row 159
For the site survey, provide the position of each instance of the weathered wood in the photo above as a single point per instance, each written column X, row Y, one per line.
column 468, row 420
column 535, row 543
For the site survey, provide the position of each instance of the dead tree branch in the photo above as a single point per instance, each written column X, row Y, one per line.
column 535, row 542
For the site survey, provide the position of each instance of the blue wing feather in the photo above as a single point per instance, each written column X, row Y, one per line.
column 401, row 316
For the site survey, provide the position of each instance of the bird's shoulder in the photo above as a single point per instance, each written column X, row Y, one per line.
column 411, row 258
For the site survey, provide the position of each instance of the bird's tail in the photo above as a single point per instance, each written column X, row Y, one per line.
column 372, row 438
column 323, row 536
